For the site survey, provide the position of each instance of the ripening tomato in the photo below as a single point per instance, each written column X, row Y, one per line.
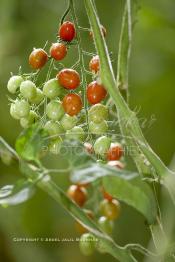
column 94, row 64
column 58, row 51
column 95, row 92
column 106, row 195
column 72, row 104
column 67, row 31
column 38, row 58
column 68, row 78
column 77, row 194
column 115, row 152
column 110, row 209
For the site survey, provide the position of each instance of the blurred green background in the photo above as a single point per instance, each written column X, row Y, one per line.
column 26, row 24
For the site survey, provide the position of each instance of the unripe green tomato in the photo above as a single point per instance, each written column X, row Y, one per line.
column 106, row 225
column 102, row 145
column 98, row 113
column 6, row 157
column 13, row 83
column 110, row 208
column 29, row 120
column 76, row 133
column 28, row 89
column 38, row 98
column 98, row 128
column 87, row 244
column 100, row 247
column 53, row 128
column 55, row 110
column 52, row 89
column 22, row 108
column 13, row 112
column 54, row 146
column 68, row 122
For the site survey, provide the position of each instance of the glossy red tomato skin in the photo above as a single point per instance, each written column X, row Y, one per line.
column 94, row 64
column 72, row 104
column 115, row 152
column 58, row 51
column 95, row 93
column 38, row 58
column 67, row 31
column 68, row 78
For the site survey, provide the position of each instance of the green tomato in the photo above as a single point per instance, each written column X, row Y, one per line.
column 55, row 145
column 102, row 145
column 13, row 112
column 13, row 83
column 100, row 247
column 98, row 113
column 68, row 122
column 52, row 89
column 6, row 157
column 76, row 133
column 38, row 98
column 29, row 120
column 106, row 225
column 53, row 128
column 55, row 110
column 22, row 108
column 28, row 89
column 87, row 244
column 98, row 128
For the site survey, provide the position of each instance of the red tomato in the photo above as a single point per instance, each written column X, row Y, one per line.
column 38, row 58
column 77, row 194
column 95, row 93
column 58, row 51
column 94, row 64
column 67, row 31
column 68, row 78
column 115, row 152
column 72, row 104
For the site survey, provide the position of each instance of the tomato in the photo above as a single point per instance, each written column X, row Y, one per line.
column 116, row 164
column 102, row 145
column 72, row 104
column 53, row 128
column 77, row 194
column 76, row 133
column 58, row 51
column 52, row 89
column 106, row 225
column 98, row 128
column 98, row 113
column 38, row 58
column 101, row 247
column 115, row 152
column 87, row 244
column 67, row 31
column 38, row 98
column 28, row 89
column 88, row 147
column 13, row 112
column 106, row 195
column 80, row 228
column 68, row 122
column 94, row 64
column 55, row 110
column 68, row 78
column 95, row 92
column 6, row 157
column 22, row 108
column 110, row 209
column 29, row 120
column 14, row 83
column 55, row 144
column 103, row 29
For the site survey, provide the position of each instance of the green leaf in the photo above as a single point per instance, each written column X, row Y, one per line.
column 17, row 193
column 74, row 152
column 31, row 141
column 133, row 192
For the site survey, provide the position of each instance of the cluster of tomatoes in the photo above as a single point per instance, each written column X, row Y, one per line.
column 63, row 107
